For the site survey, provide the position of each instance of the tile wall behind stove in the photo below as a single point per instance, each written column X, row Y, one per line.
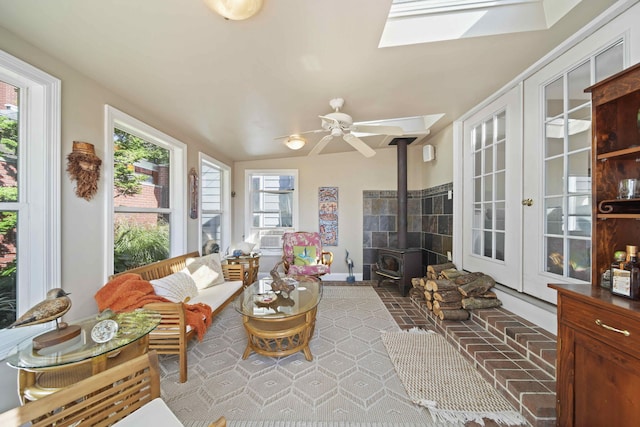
column 429, row 224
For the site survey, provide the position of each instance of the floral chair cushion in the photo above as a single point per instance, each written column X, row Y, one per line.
column 308, row 247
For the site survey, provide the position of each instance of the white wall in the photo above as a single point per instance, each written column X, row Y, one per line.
column 83, row 223
column 440, row 170
column 352, row 173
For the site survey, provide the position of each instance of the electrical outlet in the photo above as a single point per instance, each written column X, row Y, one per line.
column 450, row 194
column 449, row 256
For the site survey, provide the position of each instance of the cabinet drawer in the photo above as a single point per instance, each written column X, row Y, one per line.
column 616, row 329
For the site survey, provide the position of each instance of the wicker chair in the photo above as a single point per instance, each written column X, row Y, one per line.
column 108, row 398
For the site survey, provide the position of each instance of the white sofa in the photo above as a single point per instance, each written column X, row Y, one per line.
column 174, row 332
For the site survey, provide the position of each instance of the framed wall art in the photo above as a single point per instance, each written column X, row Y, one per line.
column 328, row 215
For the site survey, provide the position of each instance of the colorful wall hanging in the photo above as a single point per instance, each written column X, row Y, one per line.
column 193, row 193
column 328, row 215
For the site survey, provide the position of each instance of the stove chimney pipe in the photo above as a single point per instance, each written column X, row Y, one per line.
column 402, row 189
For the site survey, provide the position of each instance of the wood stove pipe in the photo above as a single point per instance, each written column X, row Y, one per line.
column 401, row 144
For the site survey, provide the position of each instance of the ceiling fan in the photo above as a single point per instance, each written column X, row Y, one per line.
column 341, row 124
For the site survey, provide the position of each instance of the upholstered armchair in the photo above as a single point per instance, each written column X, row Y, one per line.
column 303, row 254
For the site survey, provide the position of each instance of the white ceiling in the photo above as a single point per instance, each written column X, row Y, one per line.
column 239, row 84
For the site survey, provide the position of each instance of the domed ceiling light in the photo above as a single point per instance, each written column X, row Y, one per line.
column 235, row 10
column 295, row 142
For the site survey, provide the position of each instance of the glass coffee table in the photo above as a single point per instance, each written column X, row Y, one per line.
column 102, row 343
column 280, row 323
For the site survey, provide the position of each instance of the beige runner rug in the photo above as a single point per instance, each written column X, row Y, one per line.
column 438, row 377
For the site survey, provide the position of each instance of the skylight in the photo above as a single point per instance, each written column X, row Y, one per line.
column 424, row 21
column 416, row 125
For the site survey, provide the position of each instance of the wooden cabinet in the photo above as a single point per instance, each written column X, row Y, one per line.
column 615, row 156
column 598, row 365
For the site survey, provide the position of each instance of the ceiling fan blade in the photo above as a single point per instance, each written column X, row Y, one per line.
column 378, row 130
column 320, row 145
column 359, row 145
column 312, row 131
column 299, row 134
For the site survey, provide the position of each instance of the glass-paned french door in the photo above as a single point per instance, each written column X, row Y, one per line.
column 488, row 140
column 492, row 187
column 557, row 166
column 567, row 165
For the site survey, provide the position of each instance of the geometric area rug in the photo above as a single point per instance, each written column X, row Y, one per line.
column 439, row 378
column 351, row 381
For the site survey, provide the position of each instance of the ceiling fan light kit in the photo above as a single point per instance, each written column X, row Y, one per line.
column 295, row 142
column 340, row 124
column 235, row 10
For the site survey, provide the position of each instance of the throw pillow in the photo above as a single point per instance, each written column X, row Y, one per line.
column 304, row 255
column 176, row 287
column 206, row 270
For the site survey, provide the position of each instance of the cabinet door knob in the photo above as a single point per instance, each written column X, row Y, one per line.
column 527, row 202
column 611, row 328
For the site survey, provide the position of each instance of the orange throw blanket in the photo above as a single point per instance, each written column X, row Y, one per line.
column 129, row 291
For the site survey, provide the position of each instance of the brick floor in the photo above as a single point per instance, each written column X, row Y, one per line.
column 514, row 355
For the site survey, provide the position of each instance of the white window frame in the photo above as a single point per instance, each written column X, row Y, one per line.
column 115, row 118
column 39, row 260
column 249, row 173
column 225, row 193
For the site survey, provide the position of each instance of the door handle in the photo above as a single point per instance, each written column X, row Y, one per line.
column 527, row 202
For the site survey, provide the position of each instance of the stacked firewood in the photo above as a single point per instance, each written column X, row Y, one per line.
column 451, row 293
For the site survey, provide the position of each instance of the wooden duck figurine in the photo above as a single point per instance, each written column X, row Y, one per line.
column 54, row 306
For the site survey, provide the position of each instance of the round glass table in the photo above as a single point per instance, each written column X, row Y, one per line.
column 280, row 323
column 99, row 345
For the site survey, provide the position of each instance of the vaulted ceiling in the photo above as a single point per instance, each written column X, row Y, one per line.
column 240, row 84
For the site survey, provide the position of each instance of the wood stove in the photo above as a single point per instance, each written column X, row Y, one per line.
column 400, row 264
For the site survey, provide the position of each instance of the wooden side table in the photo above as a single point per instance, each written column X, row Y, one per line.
column 251, row 263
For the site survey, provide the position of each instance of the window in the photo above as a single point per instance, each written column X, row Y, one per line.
column 215, row 192
column 9, row 168
column 149, row 187
column 29, row 192
column 273, row 206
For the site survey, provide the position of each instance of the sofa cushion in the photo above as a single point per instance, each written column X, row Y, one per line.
column 206, row 270
column 153, row 413
column 176, row 287
column 215, row 296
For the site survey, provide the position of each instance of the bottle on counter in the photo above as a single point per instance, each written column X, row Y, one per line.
column 619, row 258
column 625, row 277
